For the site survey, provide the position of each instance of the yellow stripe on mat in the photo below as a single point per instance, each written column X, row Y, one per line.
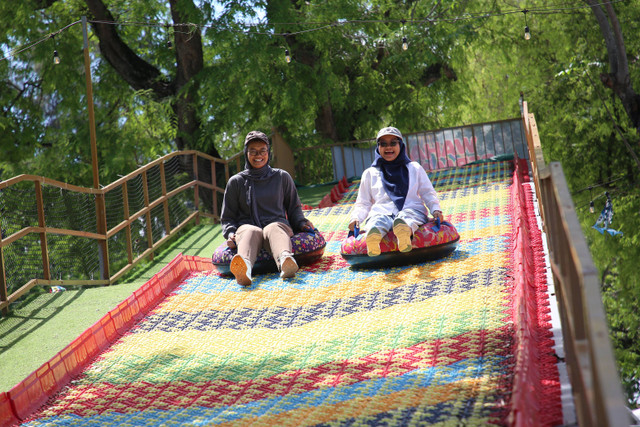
column 402, row 317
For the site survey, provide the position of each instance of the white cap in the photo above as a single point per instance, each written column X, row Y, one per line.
column 389, row 131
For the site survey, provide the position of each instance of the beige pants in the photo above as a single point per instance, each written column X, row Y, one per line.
column 275, row 238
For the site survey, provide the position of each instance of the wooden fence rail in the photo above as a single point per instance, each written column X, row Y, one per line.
column 596, row 385
column 168, row 201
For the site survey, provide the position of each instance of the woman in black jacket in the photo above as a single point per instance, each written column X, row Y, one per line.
column 261, row 208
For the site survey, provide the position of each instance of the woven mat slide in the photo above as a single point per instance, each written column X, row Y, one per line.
column 428, row 344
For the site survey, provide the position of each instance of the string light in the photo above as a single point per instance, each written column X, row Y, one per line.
column 56, row 57
column 169, row 42
column 287, row 57
column 527, row 34
column 592, row 207
column 405, row 44
column 327, row 25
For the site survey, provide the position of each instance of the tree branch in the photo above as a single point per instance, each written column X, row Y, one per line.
column 622, row 74
column 618, row 79
column 137, row 72
column 607, row 33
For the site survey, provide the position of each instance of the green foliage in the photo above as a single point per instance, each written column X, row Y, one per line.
column 617, row 259
column 45, row 106
column 558, row 70
column 577, row 117
column 344, row 68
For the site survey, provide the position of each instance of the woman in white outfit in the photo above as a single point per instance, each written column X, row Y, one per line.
column 394, row 193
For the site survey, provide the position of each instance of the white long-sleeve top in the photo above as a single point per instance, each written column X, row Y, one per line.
column 373, row 199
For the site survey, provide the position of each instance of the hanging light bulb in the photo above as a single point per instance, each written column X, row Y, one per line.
column 405, row 44
column 56, row 57
column 287, row 57
column 169, row 42
column 527, row 33
column 592, row 208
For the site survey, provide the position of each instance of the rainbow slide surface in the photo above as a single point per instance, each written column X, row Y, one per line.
column 427, row 344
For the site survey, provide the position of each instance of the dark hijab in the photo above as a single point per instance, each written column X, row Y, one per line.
column 395, row 175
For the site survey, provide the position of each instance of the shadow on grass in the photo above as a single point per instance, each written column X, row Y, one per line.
column 39, row 307
column 32, row 314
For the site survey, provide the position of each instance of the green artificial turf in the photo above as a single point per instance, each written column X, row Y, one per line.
column 312, row 195
column 37, row 330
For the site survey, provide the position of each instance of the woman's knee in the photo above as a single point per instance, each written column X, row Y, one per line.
column 277, row 228
column 249, row 232
column 413, row 217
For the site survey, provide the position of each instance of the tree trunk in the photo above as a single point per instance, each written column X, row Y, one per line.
column 137, row 72
column 141, row 75
column 618, row 79
column 325, row 124
column 189, row 63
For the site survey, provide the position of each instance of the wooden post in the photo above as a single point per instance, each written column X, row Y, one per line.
column 196, row 192
column 3, row 278
column 165, row 202
column 125, row 202
column 214, row 181
column 145, row 190
column 101, row 216
column 43, row 234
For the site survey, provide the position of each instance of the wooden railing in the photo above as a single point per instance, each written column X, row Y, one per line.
column 597, row 389
column 132, row 227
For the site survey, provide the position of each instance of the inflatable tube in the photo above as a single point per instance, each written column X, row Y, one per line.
column 431, row 241
column 307, row 247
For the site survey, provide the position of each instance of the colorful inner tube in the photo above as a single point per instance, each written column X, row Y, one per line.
column 307, row 247
column 431, row 241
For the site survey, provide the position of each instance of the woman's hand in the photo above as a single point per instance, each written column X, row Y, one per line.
column 308, row 226
column 231, row 241
column 438, row 215
column 353, row 225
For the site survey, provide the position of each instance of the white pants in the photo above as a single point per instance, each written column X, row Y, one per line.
column 384, row 223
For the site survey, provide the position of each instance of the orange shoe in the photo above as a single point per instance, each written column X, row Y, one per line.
column 241, row 269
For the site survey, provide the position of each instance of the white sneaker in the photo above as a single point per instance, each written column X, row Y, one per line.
column 241, row 269
column 373, row 239
column 288, row 266
column 403, row 234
